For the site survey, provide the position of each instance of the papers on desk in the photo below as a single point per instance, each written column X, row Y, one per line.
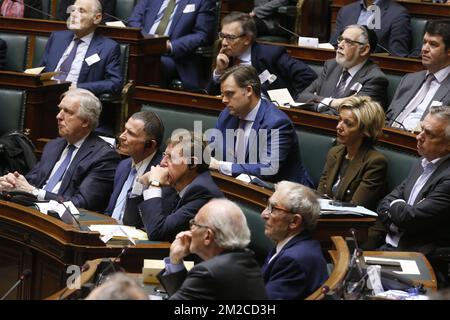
column 328, row 209
column 283, row 98
column 44, row 207
column 118, row 24
column 114, row 231
column 408, row 266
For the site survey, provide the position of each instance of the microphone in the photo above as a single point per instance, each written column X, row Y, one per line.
column 60, row 200
column 386, row 50
column 287, row 30
column 25, row 275
column 397, row 122
column 111, row 264
column 114, row 17
column 36, row 10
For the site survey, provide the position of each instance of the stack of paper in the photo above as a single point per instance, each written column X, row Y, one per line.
column 114, row 231
column 153, row 267
column 326, row 208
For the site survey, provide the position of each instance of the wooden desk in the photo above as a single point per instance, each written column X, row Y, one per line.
column 45, row 245
column 41, row 104
column 394, row 138
column 144, row 52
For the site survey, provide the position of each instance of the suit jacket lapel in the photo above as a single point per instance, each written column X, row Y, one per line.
column 253, row 139
column 94, row 47
column 408, row 95
column 442, row 166
column 440, row 94
column 153, row 9
column 60, row 48
column 49, row 163
column 178, row 14
column 333, row 76
column 358, row 76
column 338, row 157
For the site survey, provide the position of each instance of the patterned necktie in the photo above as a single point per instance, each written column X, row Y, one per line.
column 65, row 67
column 123, row 196
column 57, row 176
column 339, row 91
column 162, row 26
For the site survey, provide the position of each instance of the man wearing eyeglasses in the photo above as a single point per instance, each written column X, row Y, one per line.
column 295, row 268
column 276, row 69
column 219, row 235
column 189, row 24
column 350, row 73
column 176, row 189
column 80, row 55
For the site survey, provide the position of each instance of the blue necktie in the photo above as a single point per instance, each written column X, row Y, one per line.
column 57, row 176
column 123, row 196
column 65, row 67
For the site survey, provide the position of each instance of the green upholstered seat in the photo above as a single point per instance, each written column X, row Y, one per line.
column 394, row 80
column 399, row 165
column 17, row 52
column 39, row 49
column 418, row 30
column 124, row 8
column 12, row 111
column 179, row 118
column 314, row 148
column 317, row 68
column 47, row 8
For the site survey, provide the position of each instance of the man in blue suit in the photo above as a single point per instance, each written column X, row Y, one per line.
column 394, row 29
column 295, row 268
column 141, row 140
column 87, row 59
column 276, row 69
column 189, row 24
column 266, row 143
column 79, row 166
column 176, row 189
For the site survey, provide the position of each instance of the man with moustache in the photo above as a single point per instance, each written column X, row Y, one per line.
column 79, row 166
column 82, row 56
column 350, row 73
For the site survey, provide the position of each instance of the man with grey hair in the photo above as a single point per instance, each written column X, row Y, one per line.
column 416, row 213
column 81, row 55
column 79, row 166
column 295, row 268
column 350, row 73
column 119, row 286
column 219, row 235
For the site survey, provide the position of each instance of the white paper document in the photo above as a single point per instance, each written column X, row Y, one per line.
column 118, row 24
column 283, row 98
column 327, row 208
column 408, row 266
column 44, row 207
column 109, row 231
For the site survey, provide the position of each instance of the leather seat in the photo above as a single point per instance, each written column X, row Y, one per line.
column 16, row 55
column 394, row 80
column 124, row 8
column 12, row 112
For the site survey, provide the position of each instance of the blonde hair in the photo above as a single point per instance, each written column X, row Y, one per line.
column 368, row 113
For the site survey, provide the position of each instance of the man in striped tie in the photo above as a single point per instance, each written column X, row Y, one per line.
column 79, row 166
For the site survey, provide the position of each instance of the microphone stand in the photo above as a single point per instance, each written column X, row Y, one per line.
column 24, row 276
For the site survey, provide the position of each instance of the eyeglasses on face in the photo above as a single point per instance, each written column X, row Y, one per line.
column 229, row 37
column 270, row 207
column 349, row 42
column 193, row 223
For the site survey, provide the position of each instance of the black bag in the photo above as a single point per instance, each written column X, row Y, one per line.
column 16, row 153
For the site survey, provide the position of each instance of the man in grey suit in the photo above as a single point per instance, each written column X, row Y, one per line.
column 351, row 73
column 264, row 14
column 419, row 91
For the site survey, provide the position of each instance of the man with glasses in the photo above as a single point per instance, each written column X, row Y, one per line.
column 218, row 235
column 350, row 73
column 189, row 24
column 174, row 190
column 295, row 268
column 64, row 9
column 80, row 55
column 276, row 69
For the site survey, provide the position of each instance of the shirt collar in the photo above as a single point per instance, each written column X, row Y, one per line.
column 425, row 162
column 246, row 56
column 281, row 244
column 251, row 116
column 363, row 3
column 141, row 166
column 79, row 142
column 87, row 38
column 442, row 74
column 354, row 70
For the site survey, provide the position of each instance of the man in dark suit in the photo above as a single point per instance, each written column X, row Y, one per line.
column 82, row 56
column 295, row 268
column 109, row 7
column 416, row 213
column 276, row 69
column 175, row 190
column 393, row 29
column 265, row 15
column 218, row 234
column 189, row 24
column 418, row 91
column 352, row 72
column 266, row 143
column 79, row 166
column 141, row 140
column 3, row 49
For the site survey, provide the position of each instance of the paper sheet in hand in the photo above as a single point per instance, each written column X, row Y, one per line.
column 283, row 98
column 327, row 208
column 118, row 231
column 408, row 266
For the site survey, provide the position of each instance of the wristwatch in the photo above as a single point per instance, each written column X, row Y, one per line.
column 35, row 192
column 155, row 183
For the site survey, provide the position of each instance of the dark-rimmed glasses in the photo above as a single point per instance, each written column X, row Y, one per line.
column 229, row 37
column 348, row 41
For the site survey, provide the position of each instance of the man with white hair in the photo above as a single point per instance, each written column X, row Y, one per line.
column 295, row 268
column 79, row 166
column 350, row 73
column 218, row 234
